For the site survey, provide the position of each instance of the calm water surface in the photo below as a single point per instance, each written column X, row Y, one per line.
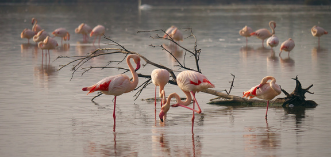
column 44, row 113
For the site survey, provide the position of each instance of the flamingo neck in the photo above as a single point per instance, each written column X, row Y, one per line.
column 272, row 28
column 179, row 101
column 133, row 84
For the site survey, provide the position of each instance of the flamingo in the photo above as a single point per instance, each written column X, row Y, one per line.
column 160, row 77
column 40, row 36
column 98, row 30
column 264, row 33
column 265, row 90
column 287, row 45
column 246, row 32
column 273, row 41
column 48, row 43
column 317, row 31
column 27, row 33
column 62, row 33
column 173, row 33
column 83, row 29
column 189, row 82
column 35, row 27
column 118, row 84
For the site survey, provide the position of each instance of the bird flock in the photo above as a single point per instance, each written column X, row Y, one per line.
column 272, row 40
column 190, row 82
column 46, row 42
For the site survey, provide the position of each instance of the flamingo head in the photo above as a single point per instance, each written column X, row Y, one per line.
column 161, row 115
column 91, row 34
column 253, row 34
column 32, row 21
column 325, row 32
column 163, row 112
column 137, row 61
column 54, row 32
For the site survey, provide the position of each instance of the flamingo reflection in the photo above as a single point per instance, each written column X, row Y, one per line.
column 287, row 62
column 45, row 72
column 173, row 50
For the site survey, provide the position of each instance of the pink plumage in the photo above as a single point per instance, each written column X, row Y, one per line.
column 174, row 33
column 83, row 29
column 98, row 31
column 62, row 33
column 35, row 27
column 265, row 33
column 118, row 84
column 287, row 45
column 27, row 33
column 265, row 90
column 160, row 77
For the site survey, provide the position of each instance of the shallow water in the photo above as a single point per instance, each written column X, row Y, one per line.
column 43, row 111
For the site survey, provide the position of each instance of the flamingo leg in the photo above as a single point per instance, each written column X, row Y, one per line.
column 195, row 100
column 267, row 110
column 94, row 39
column 99, row 40
column 114, row 116
column 155, row 98
column 193, row 117
column 318, row 41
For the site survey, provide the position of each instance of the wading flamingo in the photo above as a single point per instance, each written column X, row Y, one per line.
column 47, row 44
column 98, row 30
column 317, row 31
column 118, row 84
column 174, row 33
column 273, row 41
column 40, row 36
column 287, row 45
column 265, row 90
column 264, row 33
column 189, row 82
column 83, row 29
column 160, row 77
column 35, row 27
column 27, row 33
column 246, row 32
column 62, row 33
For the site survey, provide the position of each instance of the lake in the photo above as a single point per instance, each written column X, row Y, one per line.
column 43, row 112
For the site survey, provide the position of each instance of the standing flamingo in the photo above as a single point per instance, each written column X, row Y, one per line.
column 83, row 29
column 189, row 82
column 118, row 84
column 287, row 45
column 273, row 41
column 35, row 27
column 48, row 43
column 265, row 90
column 62, row 33
column 317, row 31
column 27, row 33
column 160, row 77
column 98, row 30
column 246, row 32
column 264, row 33
column 40, row 36
column 173, row 33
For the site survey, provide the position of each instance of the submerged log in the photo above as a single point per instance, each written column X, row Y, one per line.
column 296, row 98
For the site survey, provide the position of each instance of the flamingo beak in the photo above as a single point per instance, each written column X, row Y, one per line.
column 138, row 66
column 161, row 115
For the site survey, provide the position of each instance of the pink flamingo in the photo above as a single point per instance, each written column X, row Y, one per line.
column 265, row 90
column 83, row 29
column 317, row 31
column 264, row 33
column 160, row 77
column 118, row 84
column 27, row 33
column 35, row 27
column 40, row 36
column 246, row 32
column 189, row 82
column 174, row 33
column 287, row 45
column 98, row 30
column 273, row 41
column 62, row 33
column 48, row 43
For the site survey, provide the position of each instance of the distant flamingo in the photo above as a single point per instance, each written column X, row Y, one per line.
column 189, row 82
column 160, row 77
column 62, row 33
column 48, row 43
column 35, row 27
column 273, row 41
column 246, row 32
column 118, row 84
column 264, row 33
column 40, row 36
column 174, row 33
column 27, row 33
column 98, row 30
column 317, row 31
column 83, row 29
column 265, row 90
column 287, row 45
